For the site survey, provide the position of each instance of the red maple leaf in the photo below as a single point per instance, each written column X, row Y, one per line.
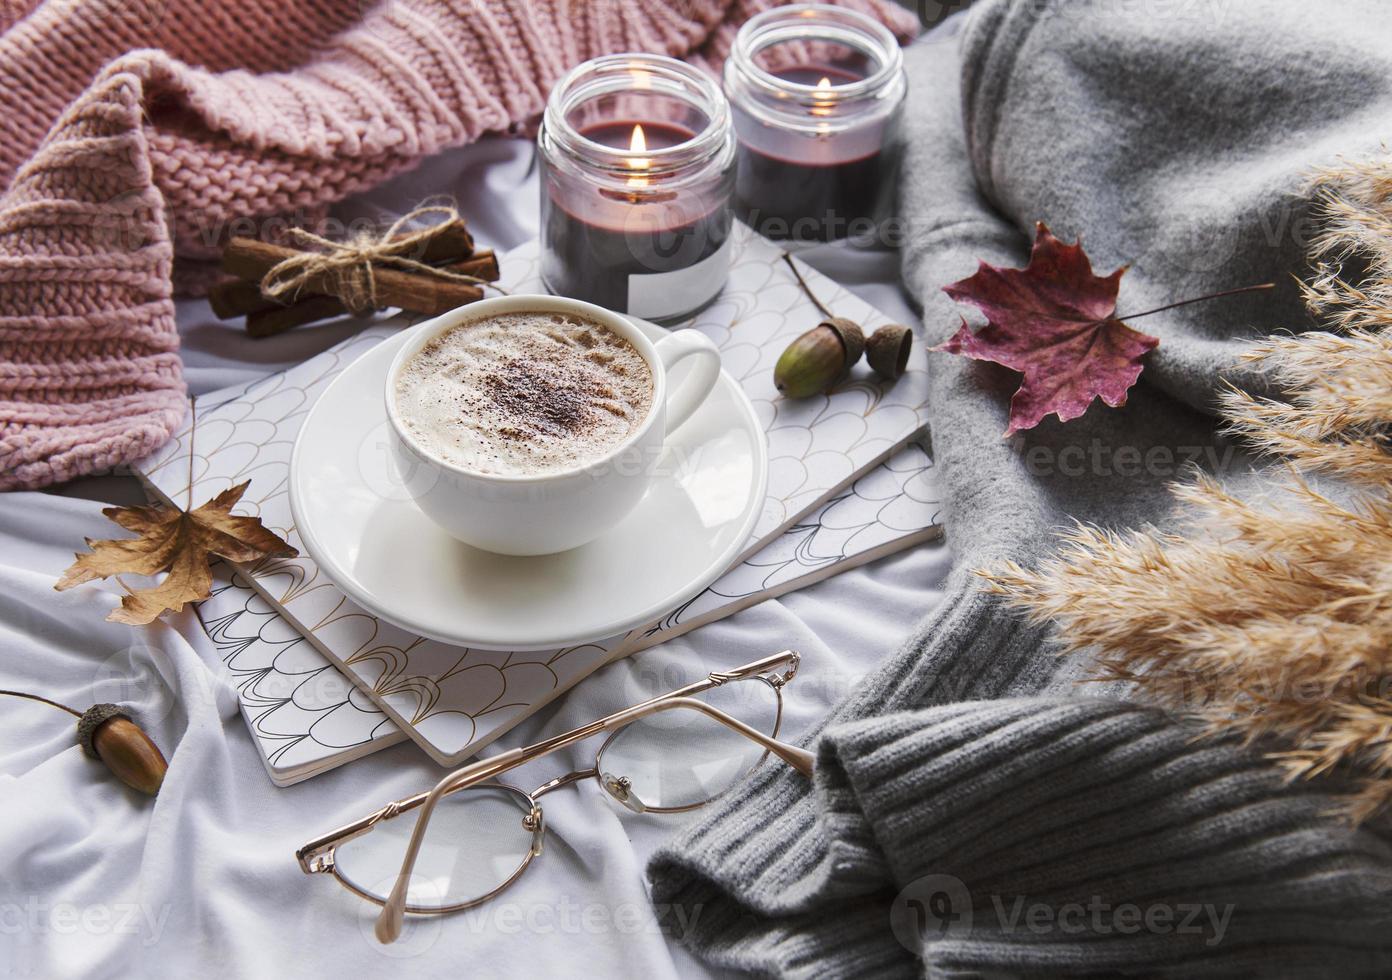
column 1055, row 322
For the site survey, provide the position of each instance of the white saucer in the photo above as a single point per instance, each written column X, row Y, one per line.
column 361, row 527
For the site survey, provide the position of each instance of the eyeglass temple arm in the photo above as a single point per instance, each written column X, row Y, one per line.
column 389, row 921
column 799, row 759
column 388, row 926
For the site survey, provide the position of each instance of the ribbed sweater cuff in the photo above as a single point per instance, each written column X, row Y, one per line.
column 89, row 369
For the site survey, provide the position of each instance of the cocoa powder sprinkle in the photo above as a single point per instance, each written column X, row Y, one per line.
column 543, row 395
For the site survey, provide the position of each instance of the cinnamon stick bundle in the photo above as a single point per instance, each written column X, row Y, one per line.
column 239, row 297
column 321, row 295
column 249, row 258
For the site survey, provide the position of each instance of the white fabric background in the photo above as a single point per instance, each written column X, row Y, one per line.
column 96, row 881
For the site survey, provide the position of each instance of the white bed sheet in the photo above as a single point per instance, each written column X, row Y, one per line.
column 98, row 882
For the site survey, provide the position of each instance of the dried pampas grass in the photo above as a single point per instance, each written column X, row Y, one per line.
column 1271, row 619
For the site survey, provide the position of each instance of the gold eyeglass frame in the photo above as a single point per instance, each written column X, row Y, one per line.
column 317, row 856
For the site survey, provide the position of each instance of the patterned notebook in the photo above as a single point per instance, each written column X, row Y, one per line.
column 453, row 701
column 304, row 715
column 306, row 718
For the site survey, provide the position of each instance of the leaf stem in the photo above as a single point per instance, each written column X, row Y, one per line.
column 193, row 430
column 35, row 697
column 806, row 288
column 1200, row 299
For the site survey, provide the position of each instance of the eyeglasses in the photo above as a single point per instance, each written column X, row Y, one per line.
column 475, row 836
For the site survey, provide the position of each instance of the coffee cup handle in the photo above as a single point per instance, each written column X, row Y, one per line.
column 685, row 398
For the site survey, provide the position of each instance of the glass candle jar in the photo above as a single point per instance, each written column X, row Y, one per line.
column 816, row 93
column 637, row 171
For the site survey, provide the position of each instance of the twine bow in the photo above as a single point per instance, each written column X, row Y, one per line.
column 348, row 265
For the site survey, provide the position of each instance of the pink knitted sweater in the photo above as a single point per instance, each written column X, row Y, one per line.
column 136, row 131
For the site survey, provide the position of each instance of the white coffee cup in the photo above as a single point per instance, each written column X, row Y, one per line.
column 556, row 511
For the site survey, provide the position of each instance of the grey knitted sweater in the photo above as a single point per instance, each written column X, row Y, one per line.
column 976, row 811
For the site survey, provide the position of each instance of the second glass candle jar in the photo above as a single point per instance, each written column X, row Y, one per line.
column 637, row 171
column 816, row 93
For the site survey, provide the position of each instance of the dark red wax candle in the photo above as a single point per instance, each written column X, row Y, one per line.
column 634, row 230
column 637, row 170
column 815, row 93
column 807, row 196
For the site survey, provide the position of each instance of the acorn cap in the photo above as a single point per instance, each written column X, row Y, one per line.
column 888, row 350
column 92, row 719
column 852, row 337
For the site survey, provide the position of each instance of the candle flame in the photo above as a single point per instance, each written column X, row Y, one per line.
column 638, row 143
column 823, row 108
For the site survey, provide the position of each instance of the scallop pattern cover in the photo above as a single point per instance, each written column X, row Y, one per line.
column 304, row 715
column 453, row 701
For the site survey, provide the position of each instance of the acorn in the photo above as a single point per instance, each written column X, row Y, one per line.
column 888, row 350
column 819, row 358
column 107, row 733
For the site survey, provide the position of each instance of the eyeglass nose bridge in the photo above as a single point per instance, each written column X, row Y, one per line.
column 535, row 820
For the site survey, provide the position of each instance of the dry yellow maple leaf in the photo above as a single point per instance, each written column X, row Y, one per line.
column 178, row 542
